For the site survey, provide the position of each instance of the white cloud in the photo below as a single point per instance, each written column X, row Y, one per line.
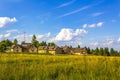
column 85, row 26
column 7, row 35
column 12, row 30
column 1, row 36
column 28, row 38
column 94, row 44
column 119, row 40
column 43, row 37
column 108, row 42
column 67, row 34
column 97, row 14
column 100, row 24
column 94, row 25
column 6, row 20
column 66, row 4
column 104, row 43
column 75, row 11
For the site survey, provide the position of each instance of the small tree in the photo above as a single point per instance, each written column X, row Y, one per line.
column 43, row 43
column 78, row 46
column 106, row 51
column 51, row 44
column 96, row 51
column 112, row 51
column 34, row 41
column 88, row 50
column 101, row 52
column 23, row 42
column 15, row 41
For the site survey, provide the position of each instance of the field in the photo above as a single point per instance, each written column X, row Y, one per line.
column 58, row 67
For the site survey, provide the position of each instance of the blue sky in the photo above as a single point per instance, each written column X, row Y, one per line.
column 93, row 23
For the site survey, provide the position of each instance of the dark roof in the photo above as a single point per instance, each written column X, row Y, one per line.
column 78, row 49
column 24, row 46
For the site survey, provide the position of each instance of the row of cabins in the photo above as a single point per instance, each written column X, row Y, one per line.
column 27, row 47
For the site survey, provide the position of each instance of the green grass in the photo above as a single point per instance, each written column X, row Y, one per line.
column 58, row 67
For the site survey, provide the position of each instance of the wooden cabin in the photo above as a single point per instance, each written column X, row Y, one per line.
column 42, row 49
column 78, row 51
column 16, row 48
column 66, row 49
column 26, row 47
column 55, row 50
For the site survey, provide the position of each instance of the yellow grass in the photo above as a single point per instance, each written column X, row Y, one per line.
column 58, row 67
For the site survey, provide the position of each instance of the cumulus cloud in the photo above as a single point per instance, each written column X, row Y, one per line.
column 94, row 25
column 6, row 20
column 67, row 34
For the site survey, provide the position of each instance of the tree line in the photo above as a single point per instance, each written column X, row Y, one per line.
column 103, row 51
column 7, row 44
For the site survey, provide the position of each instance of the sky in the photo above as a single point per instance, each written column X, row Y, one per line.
column 91, row 23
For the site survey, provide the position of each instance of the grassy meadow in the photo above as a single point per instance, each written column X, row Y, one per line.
column 58, row 67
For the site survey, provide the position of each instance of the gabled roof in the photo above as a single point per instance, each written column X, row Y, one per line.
column 26, row 45
column 23, row 46
column 78, row 49
column 15, row 45
column 42, row 47
column 65, row 47
column 52, row 47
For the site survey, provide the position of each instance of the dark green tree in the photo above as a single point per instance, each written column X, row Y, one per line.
column 88, row 50
column 23, row 42
column 106, row 51
column 8, row 43
column 78, row 46
column 112, row 52
column 96, row 51
column 101, row 52
column 34, row 41
column 5, row 45
column 51, row 44
column 2, row 46
column 43, row 43
column 15, row 41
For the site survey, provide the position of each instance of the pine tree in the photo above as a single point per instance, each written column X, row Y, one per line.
column 34, row 41
column 78, row 46
column 15, row 41
column 88, row 50
column 101, row 52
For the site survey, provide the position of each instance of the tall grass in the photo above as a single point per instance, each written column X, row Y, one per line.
column 52, row 67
